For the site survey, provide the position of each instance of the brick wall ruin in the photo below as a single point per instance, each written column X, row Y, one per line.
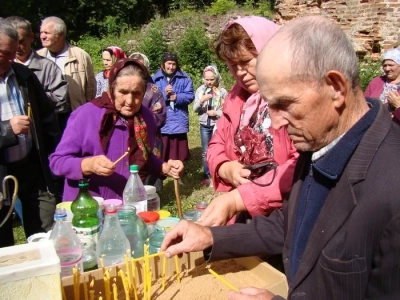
column 372, row 25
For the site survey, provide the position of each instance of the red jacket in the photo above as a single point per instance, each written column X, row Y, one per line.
column 258, row 200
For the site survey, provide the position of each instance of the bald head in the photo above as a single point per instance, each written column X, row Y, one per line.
column 314, row 45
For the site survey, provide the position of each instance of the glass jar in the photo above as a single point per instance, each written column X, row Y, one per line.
column 162, row 227
column 134, row 229
column 150, row 218
column 153, row 200
column 200, row 207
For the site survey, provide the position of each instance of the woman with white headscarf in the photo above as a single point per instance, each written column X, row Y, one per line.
column 208, row 104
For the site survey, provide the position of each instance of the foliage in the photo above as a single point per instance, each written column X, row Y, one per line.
column 368, row 69
column 153, row 45
column 220, row 7
column 265, row 8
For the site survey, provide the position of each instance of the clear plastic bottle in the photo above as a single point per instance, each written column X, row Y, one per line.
column 134, row 192
column 113, row 244
column 89, row 259
column 66, row 243
column 134, row 229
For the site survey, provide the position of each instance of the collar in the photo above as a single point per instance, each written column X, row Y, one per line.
column 28, row 61
column 62, row 53
column 332, row 164
column 9, row 73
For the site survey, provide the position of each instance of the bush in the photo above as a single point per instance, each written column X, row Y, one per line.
column 368, row 69
column 153, row 45
column 220, row 7
column 265, row 9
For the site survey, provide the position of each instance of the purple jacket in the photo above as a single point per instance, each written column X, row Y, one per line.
column 81, row 140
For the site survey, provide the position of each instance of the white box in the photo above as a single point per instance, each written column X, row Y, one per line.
column 30, row 272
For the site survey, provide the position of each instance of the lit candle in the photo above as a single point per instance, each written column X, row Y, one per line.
column 102, row 263
column 177, row 269
column 164, row 269
column 76, row 287
column 91, row 291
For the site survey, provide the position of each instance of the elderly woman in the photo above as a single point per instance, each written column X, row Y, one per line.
column 208, row 103
column 100, row 131
column 247, row 158
column 109, row 55
column 387, row 87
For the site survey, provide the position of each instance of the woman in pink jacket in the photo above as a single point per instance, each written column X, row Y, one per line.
column 244, row 136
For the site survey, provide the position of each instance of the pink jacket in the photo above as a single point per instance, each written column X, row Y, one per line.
column 258, row 200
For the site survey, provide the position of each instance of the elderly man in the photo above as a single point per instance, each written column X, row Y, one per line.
column 340, row 228
column 49, row 75
column 73, row 61
column 28, row 134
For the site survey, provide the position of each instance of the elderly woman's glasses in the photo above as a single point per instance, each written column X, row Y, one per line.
column 261, row 169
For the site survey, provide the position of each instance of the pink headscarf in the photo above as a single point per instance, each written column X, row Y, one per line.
column 117, row 52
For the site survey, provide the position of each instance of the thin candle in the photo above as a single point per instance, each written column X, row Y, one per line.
column 164, row 269
column 85, row 289
column 134, row 278
column 144, row 280
column 223, row 280
column 76, row 283
column 177, row 268
column 121, row 157
column 149, row 286
column 128, row 271
column 107, row 285
column 115, row 291
column 155, row 254
column 64, row 297
column 102, row 264
column 124, row 282
column 91, row 291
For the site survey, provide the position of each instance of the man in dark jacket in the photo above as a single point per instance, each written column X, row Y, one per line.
column 339, row 230
column 28, row 134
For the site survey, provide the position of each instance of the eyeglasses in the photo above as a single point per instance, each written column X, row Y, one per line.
column 261, row 169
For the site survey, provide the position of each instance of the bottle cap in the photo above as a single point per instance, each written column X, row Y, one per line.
column 100, row 200
column 164, row 214
column 134, row 168
column 60, row 213
column 115, row 202
column 111, row 209
column 83, row 183
column 149, row 216
column 150, row 190
column 201, row 205
column 167, row 223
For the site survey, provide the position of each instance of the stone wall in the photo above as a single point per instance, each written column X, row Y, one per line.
column 372, row 25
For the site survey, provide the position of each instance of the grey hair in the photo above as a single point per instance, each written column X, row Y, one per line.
column 317, row 46
column 20, row 23
column 131, row 70
column 7, row 29
column 59, row 24
column 141, row 57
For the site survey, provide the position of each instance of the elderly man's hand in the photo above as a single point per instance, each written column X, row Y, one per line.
column 99, row 165
column 186, row 237
column 173, row 168
column 222, row 209
column 251, row 294
column 20, row 124
column 394, row 99
column 233, row 172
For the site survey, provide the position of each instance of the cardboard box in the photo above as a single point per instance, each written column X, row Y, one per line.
column 30, row 272
column 274, row 280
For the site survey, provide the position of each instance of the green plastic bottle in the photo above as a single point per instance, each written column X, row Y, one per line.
column 85, row 221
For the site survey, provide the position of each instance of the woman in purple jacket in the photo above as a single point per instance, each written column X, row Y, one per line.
column 100, row 131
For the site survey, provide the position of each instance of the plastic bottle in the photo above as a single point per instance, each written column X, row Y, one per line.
column 134, row 229
column 89, row 259
column 134, row 192
column 153, row 200
column 113, row 244
column 85, row 222
column 66, row 243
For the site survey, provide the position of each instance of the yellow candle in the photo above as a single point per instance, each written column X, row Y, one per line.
column 134, row 278
column 223, row 280
column 164, row 267
column 115, row 292
column 76, row 283
column 91, row 294
column 107, row 285
column 124, row 282
column 144, row 280
column 64, row 297
column 102, row 263
column 85, row 288
column 101, row 298
column 149, row 286
column 155, row 254
column 128, row 271
column 177, row 268
column 91, row 291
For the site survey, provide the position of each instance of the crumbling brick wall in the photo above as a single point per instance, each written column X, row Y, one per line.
column 372, row 25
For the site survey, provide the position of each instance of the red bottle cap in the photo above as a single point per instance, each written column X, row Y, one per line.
column 149, row 216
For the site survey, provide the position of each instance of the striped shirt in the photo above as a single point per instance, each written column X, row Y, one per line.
column 12, row 104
